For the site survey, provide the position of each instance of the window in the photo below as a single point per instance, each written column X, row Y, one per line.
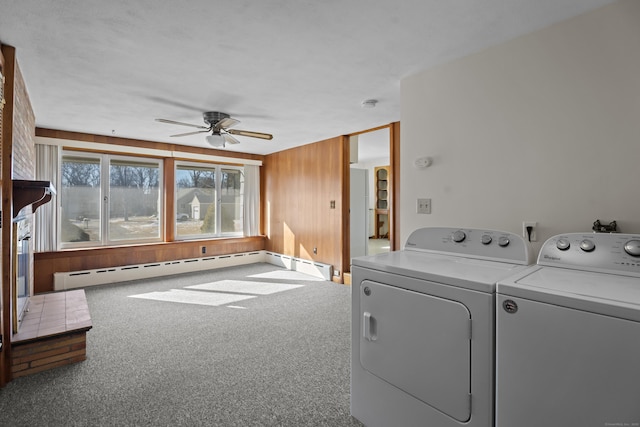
column 109, row 199
column 209, row 200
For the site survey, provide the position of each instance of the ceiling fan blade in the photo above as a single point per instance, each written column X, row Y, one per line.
column 250, row 134
column 173, row 122
column 227, row 122
column 190, row 133
column 228, row 138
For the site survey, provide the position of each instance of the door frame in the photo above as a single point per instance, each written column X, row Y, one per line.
column 394, row 189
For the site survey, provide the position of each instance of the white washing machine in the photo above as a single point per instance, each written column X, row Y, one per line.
column 423, row 328
column 568, row 335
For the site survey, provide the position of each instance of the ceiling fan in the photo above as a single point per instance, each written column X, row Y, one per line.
column 218, row 124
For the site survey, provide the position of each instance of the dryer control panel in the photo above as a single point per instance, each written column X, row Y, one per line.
column 608, row 253
column 492, row 245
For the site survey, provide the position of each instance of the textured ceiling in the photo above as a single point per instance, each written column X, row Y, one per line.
column 298, row 69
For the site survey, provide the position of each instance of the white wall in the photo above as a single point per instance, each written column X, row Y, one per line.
column 543, row 128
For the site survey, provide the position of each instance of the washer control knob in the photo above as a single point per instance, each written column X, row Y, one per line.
column 632, row 247
column 486, row 239
column 458, row 236
column 503, row 241
column 587, row 245
column 563, row 244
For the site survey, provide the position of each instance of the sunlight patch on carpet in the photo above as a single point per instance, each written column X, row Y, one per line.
column 245, row 287
column 193, row 297
column 287, row 275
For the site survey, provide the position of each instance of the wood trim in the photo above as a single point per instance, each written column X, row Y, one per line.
column 9, row 69
column 371, row 130
column 345, row 176
column 3, row 380
column 394, row 174
column 114, row 140
column 169, row 200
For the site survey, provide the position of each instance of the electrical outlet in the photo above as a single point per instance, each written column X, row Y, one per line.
column 533, row 236
column 423, row 206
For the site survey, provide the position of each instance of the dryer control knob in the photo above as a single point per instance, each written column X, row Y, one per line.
column 563, row 244
column 632, row 247
column 458, row 236
column 503, row 241
column 486, row 239
column 587, row 245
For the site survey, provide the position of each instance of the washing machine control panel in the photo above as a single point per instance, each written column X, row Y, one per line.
column 615, row 252
column 493, row 245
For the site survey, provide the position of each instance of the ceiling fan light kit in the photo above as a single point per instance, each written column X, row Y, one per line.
column 215, row 140
column 218, row 124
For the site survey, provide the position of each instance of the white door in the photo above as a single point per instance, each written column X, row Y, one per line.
column 359, row 212
column 418, row 343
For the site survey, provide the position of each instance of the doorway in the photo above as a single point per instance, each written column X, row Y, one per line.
column 370, row 158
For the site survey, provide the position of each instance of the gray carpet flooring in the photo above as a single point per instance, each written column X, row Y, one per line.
column 277, row 359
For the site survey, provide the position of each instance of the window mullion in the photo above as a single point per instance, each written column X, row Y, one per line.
column 105, row 197
column 218, row 201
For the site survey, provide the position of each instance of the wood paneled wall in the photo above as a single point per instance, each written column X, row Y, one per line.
column 87, row 259
column 305, row 202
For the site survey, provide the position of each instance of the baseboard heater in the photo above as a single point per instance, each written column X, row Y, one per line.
column 84, row 278
column 312, row 268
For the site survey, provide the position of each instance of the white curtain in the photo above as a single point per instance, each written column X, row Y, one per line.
column 46, row 217
column 251, row 200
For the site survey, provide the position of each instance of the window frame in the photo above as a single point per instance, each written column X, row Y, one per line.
column 105, row 161
column 218, row 168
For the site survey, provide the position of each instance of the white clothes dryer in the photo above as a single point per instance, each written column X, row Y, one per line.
column 423, row 328
column 568, row 335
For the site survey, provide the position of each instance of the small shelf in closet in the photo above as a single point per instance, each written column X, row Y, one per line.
column 381, row 211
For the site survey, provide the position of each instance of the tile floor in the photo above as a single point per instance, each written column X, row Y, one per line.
column 377, row 246
column 53, row 314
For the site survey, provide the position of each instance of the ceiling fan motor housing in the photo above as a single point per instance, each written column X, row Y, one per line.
column 213, row 117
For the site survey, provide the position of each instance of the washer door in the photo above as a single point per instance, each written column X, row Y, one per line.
column 418, row 343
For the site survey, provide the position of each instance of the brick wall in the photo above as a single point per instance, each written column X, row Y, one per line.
column 24, row 132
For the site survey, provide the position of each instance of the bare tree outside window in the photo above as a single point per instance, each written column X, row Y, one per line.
column 80, row 199
column 134, row 200
column 106, row 199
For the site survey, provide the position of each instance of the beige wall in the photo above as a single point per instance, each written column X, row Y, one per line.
column 543, row 128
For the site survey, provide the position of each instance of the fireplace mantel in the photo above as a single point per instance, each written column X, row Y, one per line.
column 35, row 193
